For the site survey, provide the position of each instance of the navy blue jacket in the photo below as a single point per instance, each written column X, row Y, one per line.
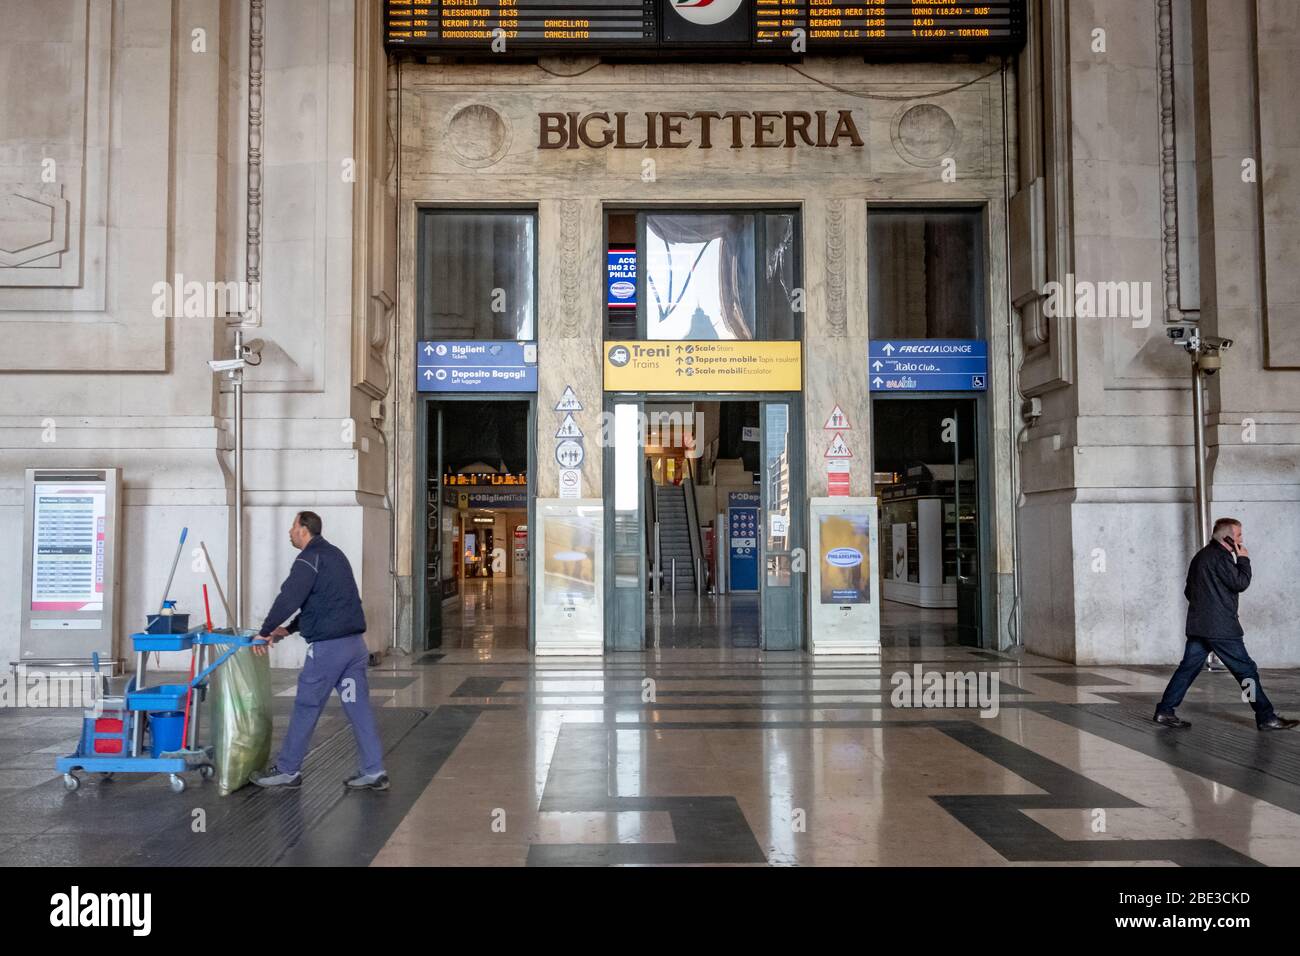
column 1213, row 582
column 321, row 588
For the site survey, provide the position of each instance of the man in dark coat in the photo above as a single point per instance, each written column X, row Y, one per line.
column 323, row 592
column 1218, row 574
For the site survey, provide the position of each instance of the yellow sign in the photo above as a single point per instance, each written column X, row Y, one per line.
column 713, row 366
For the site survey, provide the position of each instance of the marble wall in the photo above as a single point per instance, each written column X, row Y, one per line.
column 142, row 109
column 1153, row 114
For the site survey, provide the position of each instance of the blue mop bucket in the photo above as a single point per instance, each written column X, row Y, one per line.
column 165, row 731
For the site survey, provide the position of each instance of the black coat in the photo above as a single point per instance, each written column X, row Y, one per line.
column 320, row 585
column 1214, row 580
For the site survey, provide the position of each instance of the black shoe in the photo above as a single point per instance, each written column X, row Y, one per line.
column 1278, row 723
column 1171, row 720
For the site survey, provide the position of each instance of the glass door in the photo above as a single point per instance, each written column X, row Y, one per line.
column 964, row 527
column 626, row 565
column 781, row 584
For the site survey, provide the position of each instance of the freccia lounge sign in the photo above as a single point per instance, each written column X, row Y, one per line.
column 702, row 129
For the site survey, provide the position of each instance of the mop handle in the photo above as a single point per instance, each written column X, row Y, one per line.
column 189, row 696
column 207, row 610
column 175, row 561
column 207, row 559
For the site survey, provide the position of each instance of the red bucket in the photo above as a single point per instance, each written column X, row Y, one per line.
column 108, row 725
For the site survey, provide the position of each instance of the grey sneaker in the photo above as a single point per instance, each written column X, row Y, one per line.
column 273, row 776
column 367, row 781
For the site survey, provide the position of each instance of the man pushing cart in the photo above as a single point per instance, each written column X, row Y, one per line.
column 321, row 589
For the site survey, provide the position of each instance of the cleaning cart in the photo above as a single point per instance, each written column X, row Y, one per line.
column 113, row 735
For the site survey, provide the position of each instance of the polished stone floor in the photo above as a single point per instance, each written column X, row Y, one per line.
column 718, row 756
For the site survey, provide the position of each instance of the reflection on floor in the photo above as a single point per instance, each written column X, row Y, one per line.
column 902, row 625
column 704, row 621
column 715, row 757
column 488, row 613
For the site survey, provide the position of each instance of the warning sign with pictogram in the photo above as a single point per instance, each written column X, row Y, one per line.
column 838, row 449
column 569, row 428
column 569, row 401
column 837, row 422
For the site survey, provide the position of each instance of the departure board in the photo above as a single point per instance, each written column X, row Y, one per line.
column 534, row 24
column 863, row 24
column 652, row 28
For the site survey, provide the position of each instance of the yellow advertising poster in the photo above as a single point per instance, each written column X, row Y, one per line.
column 713, row 366
column 846, row 559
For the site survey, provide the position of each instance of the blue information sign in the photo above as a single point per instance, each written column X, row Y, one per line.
column 620, row 285
column 928, row 365
column 743, row 530
column 476, row 367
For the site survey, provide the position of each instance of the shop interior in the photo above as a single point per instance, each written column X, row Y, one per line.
column 926, row 480
column 477, row 512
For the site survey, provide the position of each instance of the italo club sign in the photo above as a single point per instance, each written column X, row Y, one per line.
column 702, row 129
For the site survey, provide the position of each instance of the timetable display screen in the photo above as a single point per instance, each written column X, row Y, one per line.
column 538, row 25
column 652, row 28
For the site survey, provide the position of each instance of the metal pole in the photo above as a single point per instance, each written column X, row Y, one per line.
column 674, row 573
column 237, row 377
column 1198, row 426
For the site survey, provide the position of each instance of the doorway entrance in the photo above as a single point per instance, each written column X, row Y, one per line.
column 932, row 492
column 474, row 543
column 703, row 499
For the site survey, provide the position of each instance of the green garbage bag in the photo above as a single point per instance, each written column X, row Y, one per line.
column 241, row 718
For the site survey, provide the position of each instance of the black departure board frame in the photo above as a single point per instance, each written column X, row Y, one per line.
column 650, row 29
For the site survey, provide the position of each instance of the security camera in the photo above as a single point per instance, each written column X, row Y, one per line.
column 226, row 365
column 1184, row 336
column 1214, row 342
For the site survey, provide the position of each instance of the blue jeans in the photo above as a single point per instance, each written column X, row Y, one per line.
column 331, row 665
column 1232, row 651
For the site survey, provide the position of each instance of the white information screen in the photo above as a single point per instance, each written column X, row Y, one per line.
column 68, row 545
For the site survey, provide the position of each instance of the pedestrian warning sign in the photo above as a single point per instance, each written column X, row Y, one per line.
column 569, row 401
column 838, row 421
column 838, row 448
column 568, row 428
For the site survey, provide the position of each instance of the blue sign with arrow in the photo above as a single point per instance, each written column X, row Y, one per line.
column 928, row 365
column 467, row 366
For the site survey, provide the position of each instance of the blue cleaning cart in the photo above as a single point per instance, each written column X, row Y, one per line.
column 118, row 745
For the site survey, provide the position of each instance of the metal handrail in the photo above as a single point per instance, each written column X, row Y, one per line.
column 693, row 526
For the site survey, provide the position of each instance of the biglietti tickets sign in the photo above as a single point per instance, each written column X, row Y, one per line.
column 466, row 366
column 701, row 129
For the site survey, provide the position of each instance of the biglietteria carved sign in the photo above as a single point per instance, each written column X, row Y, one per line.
column 734, row 129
